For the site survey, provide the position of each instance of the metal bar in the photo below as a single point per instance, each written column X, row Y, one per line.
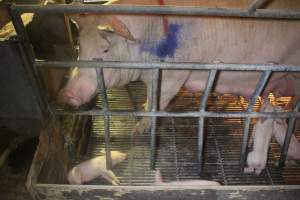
column 256, row 5
column 258, row 90
column 28, row 56
column 288, row 136
column 169, row 65
column 101, row 85
column 182, row 114
column 154, row 99
column 208, row 88
column 157, row 10
column 260, row 86
column 201, row 121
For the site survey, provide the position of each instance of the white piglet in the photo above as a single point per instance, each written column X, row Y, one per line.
column 279, row 132
column 263, row 129
column 91, row 169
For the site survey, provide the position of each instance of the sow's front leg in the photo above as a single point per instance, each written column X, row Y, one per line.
column 171, row 82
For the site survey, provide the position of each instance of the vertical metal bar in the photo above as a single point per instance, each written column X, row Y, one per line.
column 208, row 88
column 70, row 36
column 28, row 55
column 200, row 143
column 154, row 100
column 256, row 4
column 288, row 136
column 260, row 86
column 203, row 103
column 101, row 85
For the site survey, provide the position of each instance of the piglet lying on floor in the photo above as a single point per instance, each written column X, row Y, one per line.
column 91, row 169
column 264, row 129
column 159, row 181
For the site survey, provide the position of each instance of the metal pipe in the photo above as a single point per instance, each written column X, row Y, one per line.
column 182, row 114
column 157, row 10
column 27, row 55
column 169, row 65
column 101, row 85
column 288, row 136
column 256, row 4
column 258, row 90
column 154, row 100
column 208, row 88
column 201, row 121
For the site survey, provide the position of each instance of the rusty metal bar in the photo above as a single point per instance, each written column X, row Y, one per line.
column 157, row 10
column 288, row 136
column 208, row 88
column 154, row 100
column 169, row 65
column 260, row 86
column 256, row 4
column 101, row 85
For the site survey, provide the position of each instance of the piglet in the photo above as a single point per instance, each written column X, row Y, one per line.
column 257, row 159
column 159, row 182
column 91, row 169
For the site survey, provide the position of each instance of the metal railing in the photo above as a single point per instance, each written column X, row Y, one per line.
column 214, row 68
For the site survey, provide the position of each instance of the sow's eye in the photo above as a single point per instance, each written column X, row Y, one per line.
column 105, row 51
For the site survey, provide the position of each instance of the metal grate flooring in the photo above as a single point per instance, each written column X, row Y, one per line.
column 177, row 143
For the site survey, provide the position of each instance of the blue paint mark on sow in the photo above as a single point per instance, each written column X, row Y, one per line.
column 166, row 46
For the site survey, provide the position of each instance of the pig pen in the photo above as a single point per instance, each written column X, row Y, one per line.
column 71, row 137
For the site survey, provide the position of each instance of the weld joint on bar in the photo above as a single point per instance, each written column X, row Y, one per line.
column 256, row 4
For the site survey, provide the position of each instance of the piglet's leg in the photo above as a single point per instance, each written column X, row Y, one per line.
column 111, row 177
column 257, row 159
column 280, row 129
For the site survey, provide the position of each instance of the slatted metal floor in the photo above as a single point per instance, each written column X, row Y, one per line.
column 177, row 143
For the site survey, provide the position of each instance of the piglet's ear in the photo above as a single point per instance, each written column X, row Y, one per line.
column 117, row 26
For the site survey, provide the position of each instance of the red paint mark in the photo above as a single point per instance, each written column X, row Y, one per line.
column 165, row 19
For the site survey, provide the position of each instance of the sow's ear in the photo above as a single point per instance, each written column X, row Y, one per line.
column 112, row 24
column 78, row 19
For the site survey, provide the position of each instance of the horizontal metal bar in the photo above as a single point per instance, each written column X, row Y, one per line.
column 256, row 4
column 181, row 114
column 169, row 65
column 157, row 10
column 169, row 188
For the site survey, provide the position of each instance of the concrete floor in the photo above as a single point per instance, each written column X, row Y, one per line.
column 12, row 184
column 14, row 172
